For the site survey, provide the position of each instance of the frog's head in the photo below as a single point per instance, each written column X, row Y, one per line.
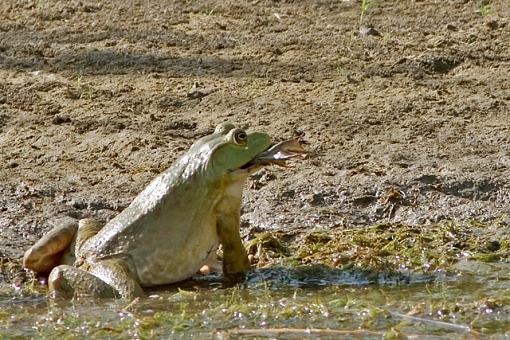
column 230, row 153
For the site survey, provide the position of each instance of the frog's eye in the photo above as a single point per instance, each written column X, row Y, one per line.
column 240, row 137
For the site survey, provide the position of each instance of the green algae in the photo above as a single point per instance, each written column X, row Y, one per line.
column 396, row 247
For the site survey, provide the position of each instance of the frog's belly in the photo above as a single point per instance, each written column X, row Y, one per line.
column 175, row 261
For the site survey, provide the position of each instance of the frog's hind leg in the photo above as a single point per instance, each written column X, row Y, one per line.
column 105, row 279
column 87, row 228
column 119, row 274
column 60, row 245
column 47, row 253
column 66, row 281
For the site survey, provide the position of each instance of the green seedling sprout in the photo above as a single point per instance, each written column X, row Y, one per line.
column 484, row 9
column 365, row 5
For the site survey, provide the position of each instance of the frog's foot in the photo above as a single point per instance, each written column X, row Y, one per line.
column 235, row 262
column 105, row 279
column 48, row 252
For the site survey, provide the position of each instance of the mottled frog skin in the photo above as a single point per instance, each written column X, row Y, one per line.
column 169, row 231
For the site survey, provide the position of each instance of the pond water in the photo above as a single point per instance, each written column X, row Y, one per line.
column 278, row 302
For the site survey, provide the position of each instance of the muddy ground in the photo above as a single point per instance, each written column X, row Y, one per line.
column 410, row 125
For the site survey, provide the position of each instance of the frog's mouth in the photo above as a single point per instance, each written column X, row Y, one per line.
column 277, row 154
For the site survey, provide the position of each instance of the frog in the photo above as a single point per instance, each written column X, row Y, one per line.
column 171, row 230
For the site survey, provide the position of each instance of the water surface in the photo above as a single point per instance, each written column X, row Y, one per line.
column 279, row 302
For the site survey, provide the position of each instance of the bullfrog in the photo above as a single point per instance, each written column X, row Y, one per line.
column 170, row 231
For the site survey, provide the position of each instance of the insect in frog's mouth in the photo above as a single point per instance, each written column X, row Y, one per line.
column 277, row 154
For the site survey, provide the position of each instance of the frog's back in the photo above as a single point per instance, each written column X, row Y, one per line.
column 166, row 233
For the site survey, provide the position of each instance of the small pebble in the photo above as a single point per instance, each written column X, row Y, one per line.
column 368, row 30
column 60, row 119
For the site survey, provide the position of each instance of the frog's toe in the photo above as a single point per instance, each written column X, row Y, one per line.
column 66, row 282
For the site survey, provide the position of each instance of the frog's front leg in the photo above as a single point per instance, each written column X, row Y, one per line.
column 235, row 257
column 104, row 279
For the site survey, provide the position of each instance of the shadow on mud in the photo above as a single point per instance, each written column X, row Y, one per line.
column 32, row 50
column 108, row 61
column 173, row 52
